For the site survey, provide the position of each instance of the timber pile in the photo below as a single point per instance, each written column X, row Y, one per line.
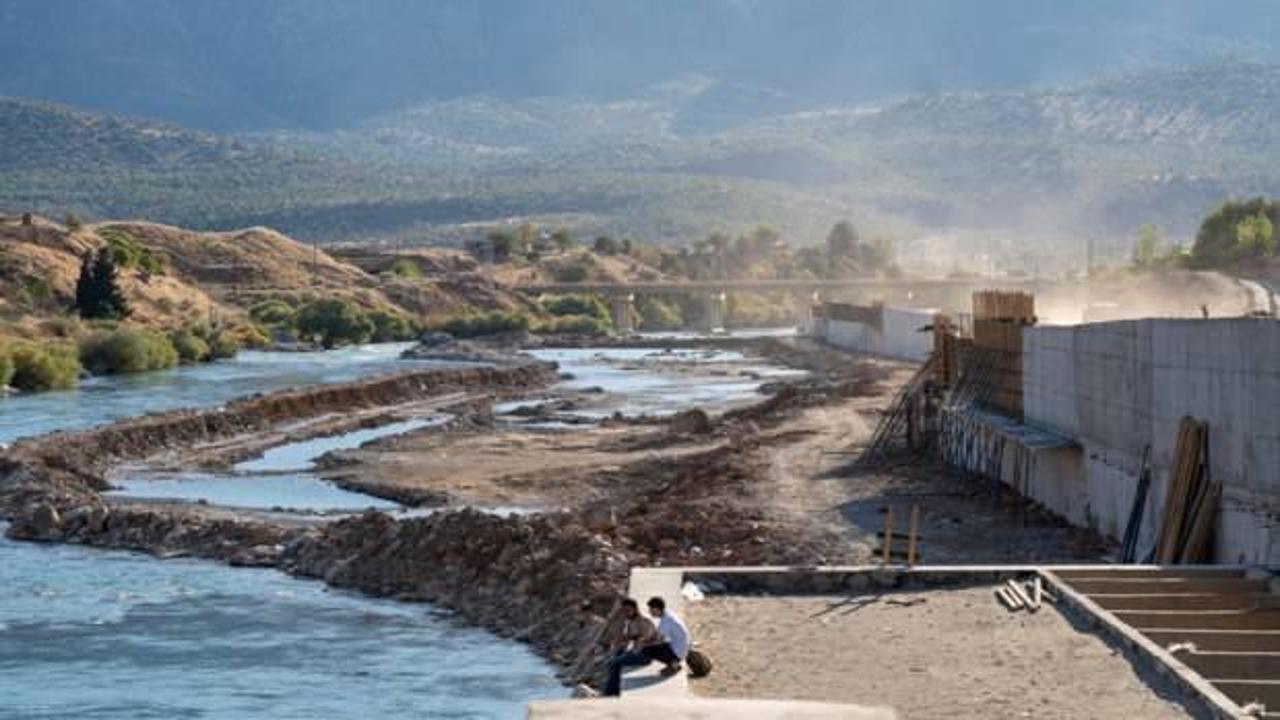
column 1191, row 503
column 894, row 423
column 1028, row 595
column 998, row 320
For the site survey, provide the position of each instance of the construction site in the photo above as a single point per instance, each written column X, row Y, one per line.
column 1155, row 436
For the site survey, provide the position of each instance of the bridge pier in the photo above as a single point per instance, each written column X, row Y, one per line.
column 805, row 303
column 622, row 308
column 712, row 318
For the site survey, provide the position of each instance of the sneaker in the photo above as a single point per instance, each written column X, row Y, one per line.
column 670, row 670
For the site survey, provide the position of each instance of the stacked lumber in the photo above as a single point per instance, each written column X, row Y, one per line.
column 1027, row 595
column 1018, row 307
column 1191, row 502
column 896, row 421
column 998, row 320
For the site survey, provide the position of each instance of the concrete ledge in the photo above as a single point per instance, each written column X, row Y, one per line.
column 648, row 682
column 1124, row 629
column 696, row 709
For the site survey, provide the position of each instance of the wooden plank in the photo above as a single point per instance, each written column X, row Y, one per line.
column 915, row 527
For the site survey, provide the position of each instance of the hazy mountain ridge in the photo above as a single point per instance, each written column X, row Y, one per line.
column 41, row 135
column 326, row 64
column 1160, row 146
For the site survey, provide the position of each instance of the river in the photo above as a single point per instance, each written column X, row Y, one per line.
column 104, row 634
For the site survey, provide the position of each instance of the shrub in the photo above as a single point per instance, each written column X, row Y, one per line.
column 129, row 253
column 334, row 322
column 406, row 268
column 6, row 370
column 589, row 305
column 391, row 327
column 490, row 323
column 273, row 312
column 127, row 350
column 43, row 367
column 573, row 325
column 223, row 345
column 191, row 347
column 577, row 272
column 659, row 314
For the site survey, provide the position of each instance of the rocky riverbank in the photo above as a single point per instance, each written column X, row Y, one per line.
column 551, row 579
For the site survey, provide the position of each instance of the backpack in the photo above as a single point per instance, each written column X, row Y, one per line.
column 699, row 664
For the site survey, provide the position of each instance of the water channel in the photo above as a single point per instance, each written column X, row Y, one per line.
column 107, row 634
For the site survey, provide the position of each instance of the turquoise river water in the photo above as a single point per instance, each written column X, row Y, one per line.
column 102, row 634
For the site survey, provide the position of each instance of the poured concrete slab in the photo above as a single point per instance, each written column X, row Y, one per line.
column 648, row 681
column 703, row 709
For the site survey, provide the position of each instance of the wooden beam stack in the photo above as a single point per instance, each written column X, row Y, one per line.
column 1191, row 502
column 998, row 320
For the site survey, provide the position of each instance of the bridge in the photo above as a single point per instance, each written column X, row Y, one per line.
column 621, row 296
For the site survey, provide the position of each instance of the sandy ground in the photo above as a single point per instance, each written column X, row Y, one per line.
column 508, row 467
column 952, row 654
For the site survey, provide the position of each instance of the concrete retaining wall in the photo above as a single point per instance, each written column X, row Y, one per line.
column 898, row 336
column 1117, row 387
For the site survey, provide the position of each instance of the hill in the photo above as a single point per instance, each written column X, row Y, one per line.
column 1095, row 159
column 326, row 64
column 218, row 276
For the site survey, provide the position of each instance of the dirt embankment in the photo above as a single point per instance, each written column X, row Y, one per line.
column 89, row 452
column 552, row 579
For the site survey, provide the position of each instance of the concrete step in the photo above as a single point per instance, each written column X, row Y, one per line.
column 1182, row 601
column 1234, row 665
column 1248, row 641
column 1143, row 586
column 702, row 709
column 1204, row 619
column 1110, row 572
column 1243, row 692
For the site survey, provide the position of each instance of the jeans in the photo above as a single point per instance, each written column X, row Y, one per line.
column 661, row 652
column 624, row 659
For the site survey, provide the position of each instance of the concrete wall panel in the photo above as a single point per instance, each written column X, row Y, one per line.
column 1117, row 387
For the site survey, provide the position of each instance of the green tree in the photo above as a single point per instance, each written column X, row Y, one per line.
column 1219, row 240
column 606, row 245
column 1256, row 236
column 98, row 293
column 563, row 239
column 1147, row 249
column 85, row 299
column 333, row 322
column 502, row 242
column 842, row 242
column 6, row 370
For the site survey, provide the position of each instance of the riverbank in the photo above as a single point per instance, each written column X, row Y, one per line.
column 757, row 484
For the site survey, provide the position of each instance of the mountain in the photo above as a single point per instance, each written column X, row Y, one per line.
column 330, row 64
column 1096, row 158
column 40, row 136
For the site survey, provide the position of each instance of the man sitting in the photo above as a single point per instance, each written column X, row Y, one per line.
column 637, row 634
column 674, row 645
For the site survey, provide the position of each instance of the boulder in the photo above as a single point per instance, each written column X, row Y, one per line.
column 691, row 422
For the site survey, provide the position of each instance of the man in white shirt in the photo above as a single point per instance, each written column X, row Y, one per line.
column 675, row 642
